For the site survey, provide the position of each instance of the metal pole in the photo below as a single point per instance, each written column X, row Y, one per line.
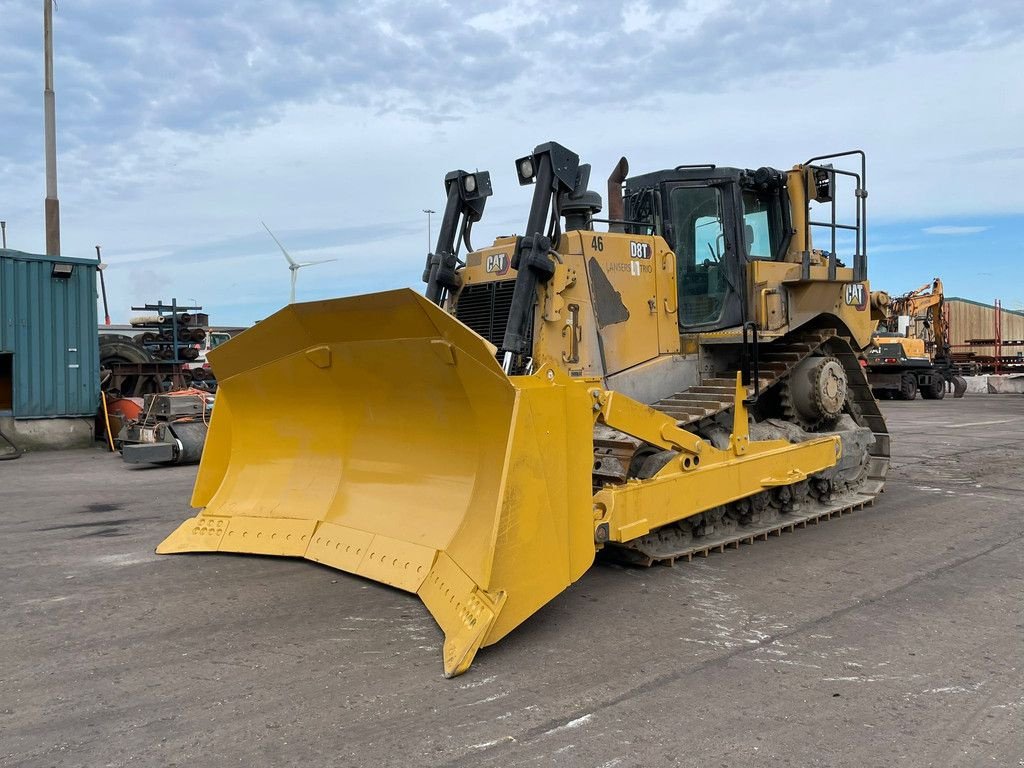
column 52, row 206
column 430, row 239
column 174, row 330
column 103, row 286
column 999, row 334
column 3, row 233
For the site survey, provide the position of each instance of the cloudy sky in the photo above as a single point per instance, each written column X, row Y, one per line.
column 182, row 124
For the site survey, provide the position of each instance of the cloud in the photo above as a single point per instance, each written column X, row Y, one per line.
column 181, row 124
column 124, row 67
column 946, row 229
column 991, row 155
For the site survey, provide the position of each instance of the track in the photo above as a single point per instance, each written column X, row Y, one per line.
column 770, row 512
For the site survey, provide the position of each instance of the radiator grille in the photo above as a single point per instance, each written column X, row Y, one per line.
column 484, row 307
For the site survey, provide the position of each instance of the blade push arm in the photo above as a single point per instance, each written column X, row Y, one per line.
column 554, row 170
column 467, row 194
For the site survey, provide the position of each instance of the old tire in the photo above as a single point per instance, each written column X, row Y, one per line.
column 122, row 349
column 115, row 349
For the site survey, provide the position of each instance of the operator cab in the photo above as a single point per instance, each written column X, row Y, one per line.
column 716, row 220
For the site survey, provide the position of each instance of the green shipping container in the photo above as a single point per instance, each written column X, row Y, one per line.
column 49, row 347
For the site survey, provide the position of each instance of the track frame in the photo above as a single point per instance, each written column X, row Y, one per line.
column 766, row 512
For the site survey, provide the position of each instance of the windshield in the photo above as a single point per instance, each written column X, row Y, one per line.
column 216, row 339
column 700, row 250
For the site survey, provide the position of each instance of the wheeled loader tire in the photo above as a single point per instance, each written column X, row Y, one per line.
column 908, row 387
column 936, row 390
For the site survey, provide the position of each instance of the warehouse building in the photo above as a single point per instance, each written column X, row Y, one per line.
column 49, row 352
column 975, row 329
column 985, row 338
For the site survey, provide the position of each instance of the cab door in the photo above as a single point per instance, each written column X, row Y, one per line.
column 701, row 227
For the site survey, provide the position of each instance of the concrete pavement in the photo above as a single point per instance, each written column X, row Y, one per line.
column 891, row 636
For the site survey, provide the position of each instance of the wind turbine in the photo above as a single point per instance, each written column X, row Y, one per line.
column 293, row 265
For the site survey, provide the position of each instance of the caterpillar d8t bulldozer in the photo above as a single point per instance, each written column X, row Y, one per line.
column 683, row 382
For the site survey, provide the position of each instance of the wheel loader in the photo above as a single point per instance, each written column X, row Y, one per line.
column 679, row 378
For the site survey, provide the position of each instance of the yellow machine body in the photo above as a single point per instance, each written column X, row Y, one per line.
column 913, row 348
column 380, row 435
column 413, row 460
column 606, row 311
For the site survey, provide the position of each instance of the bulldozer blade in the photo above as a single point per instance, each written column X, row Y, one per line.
column 378, row 435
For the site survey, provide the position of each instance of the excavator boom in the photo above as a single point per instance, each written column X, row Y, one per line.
column 911, row 353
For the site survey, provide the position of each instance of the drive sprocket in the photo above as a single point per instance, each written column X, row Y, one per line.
column 815, row 394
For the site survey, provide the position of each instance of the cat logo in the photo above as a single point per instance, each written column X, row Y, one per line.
column 856, row 295
column 498, row 263
column 639, row 250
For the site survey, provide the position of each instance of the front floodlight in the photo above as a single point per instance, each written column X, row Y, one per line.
column 824, row 184
column 62, row 271
column 469, row 182
column 525, row 170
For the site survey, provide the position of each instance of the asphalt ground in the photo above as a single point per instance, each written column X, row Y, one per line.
column 891, row 636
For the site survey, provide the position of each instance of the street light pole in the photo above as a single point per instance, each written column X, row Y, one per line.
column 430, row 240
column 52, row 206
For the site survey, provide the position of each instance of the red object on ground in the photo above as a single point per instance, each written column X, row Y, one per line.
column 127, row 407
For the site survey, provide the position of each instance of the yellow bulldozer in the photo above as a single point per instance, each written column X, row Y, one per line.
column 681, row 379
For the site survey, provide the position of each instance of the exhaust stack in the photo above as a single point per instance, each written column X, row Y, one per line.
column 616, row 206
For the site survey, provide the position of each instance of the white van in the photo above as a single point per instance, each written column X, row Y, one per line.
column 213, row 339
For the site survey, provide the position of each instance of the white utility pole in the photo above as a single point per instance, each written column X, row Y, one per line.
column 430, row 240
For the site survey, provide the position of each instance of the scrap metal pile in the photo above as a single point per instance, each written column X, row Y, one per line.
column 165, row 354
column 170, row 429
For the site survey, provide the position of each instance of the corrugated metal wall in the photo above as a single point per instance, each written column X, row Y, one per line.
column 973, row 320
column 49, row 324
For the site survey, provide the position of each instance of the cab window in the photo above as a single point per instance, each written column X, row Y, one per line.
column 761, row 232
column 644, row 213
column 699, row 234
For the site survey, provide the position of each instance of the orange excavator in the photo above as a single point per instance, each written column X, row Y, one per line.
column 911, row 352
